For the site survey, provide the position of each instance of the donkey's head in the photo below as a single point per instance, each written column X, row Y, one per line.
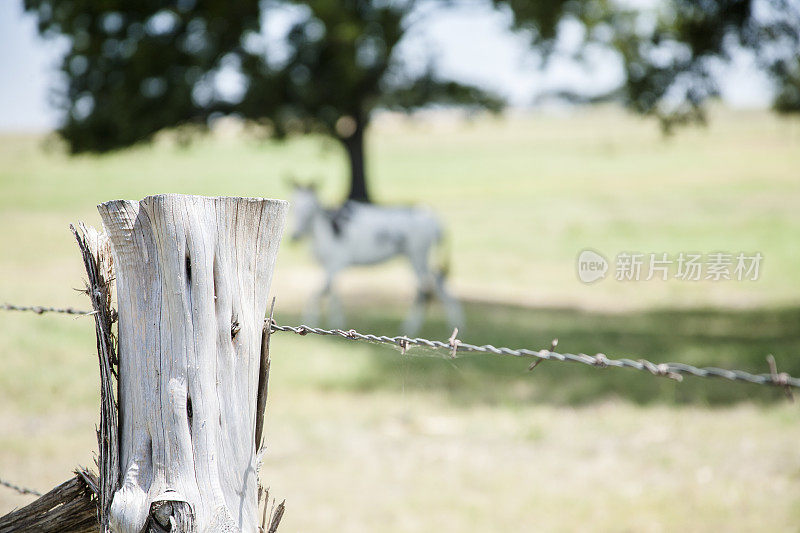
column 304, row 206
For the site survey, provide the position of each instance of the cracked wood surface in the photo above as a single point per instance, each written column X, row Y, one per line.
column 193, row 276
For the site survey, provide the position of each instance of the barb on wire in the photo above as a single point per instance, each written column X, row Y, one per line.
column 454, row 342
column 18, row 488
column 537, row 361
column 779, row 379
column 674, row 371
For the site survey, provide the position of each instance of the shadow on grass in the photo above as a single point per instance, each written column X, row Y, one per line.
column 707, row 337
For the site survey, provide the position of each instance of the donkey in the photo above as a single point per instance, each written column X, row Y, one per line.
column 364, row 234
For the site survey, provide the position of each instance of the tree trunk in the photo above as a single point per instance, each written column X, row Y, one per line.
column 354, row 145
column 193, row 277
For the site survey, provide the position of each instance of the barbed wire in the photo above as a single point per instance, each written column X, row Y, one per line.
column 674, row 371
column 21, row 490
column 40, row 310
column 456, row 347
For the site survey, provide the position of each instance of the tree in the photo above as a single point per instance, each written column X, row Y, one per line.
column 339, row 66
column 671, row 50
column 135, row 68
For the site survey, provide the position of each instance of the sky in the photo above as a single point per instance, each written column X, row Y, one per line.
column 471, row 45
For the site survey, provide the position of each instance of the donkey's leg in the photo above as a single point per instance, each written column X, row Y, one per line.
column 312, row 309
column 452, row 307
column 334, row 312
column 416, row 314
column 336, row 318
column 311, row 314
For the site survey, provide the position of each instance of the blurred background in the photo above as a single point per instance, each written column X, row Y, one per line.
column 534, row 130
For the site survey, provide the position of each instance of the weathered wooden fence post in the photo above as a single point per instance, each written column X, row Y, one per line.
column 193, row 277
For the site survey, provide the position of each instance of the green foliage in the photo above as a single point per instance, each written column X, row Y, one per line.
column 671, row 51
column 134, row 68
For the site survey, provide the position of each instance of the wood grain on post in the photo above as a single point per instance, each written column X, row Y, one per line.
column 193, row 277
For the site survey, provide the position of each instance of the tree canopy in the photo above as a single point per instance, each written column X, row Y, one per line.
column 135, row 68
column 672, row 50
column 672, row 53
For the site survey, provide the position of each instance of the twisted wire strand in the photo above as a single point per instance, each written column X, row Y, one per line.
column 674, row 371
column 455, row 347
column 21, row 490
column 40, row 310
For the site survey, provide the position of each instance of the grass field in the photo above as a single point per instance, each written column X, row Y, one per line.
column 370, row 440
